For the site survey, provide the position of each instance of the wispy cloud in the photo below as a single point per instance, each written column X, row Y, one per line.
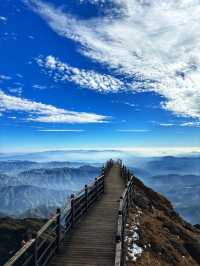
column 191, row 124
column 2, row 18
column 46, row 113
column 85, row 78
column 5, row 77
column 156, row 43
column 18, row 75
column 179, row 124
column 167, row 124
column 131, row 104
column 134, row 130
column 39, row 87
column 61, row 130
column 16, row 90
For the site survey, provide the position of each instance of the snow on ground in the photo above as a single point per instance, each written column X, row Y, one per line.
column 134, row 250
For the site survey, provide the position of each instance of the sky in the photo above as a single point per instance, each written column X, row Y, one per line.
column 88, row 74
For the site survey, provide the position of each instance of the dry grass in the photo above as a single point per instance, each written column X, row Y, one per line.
column 163, row 235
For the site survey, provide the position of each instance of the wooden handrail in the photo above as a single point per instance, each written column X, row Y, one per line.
column 125, row 200
column 20, row 253
column 52, row 238
column 46, row 226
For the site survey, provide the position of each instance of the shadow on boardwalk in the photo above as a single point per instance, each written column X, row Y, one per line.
column 92, row 242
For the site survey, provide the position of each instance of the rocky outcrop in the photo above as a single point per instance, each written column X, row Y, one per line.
column 156, row 234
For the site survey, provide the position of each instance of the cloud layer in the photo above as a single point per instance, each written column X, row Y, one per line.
column 155, row 43
column 84, row 78
column 45, row 113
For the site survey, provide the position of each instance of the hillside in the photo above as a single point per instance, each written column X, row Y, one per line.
column 12, row 232
column 157, row 235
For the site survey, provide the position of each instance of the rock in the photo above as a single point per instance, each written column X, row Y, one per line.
column 193, row 248
column 179, row 247
column 197, row 226
column 172, row 228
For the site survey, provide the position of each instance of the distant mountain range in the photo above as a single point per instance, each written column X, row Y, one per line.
column 82, row 156
column 13, row 167
column 18, row 199
column 178, row 178
column 37, row 190
column 174, row 165
column 182, row 190
column 166, row 165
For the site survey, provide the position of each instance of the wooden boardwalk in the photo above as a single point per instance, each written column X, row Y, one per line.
column 92, row 242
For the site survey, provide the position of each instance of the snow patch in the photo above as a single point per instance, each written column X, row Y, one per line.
column 135, row 251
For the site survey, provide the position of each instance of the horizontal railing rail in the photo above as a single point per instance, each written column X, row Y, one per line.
column 126, row 200
column 39, row 250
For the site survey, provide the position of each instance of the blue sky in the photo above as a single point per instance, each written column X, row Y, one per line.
column 99, row 74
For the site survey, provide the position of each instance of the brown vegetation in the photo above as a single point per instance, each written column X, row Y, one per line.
column 164, row 237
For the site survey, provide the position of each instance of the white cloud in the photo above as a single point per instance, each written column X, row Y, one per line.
column 131, row 104
column 19, row 75
column 162, row 151
column 180, row 124
column 167, row 124
column 134, row 130
column 46, row 113
column 38, row 86
column 93, row 1
column 4, row 19
column 191, row 124
column 62, row 130
column 85, row 78
column 5, row 77
column 156, row 42
column 16, row 90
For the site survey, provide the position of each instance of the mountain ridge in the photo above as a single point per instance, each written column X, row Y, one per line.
column 156, row 234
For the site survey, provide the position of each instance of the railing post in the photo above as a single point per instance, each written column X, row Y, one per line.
column 36, row 250
column 132, row 194
column 103, row 171
column 103, row 183
column 124, row 221
column 96, row 187
column 58, row 211
column 86, row 198
column 72, row 210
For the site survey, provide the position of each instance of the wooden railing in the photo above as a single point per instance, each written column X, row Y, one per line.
column 39, row 250
column 126, row 200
